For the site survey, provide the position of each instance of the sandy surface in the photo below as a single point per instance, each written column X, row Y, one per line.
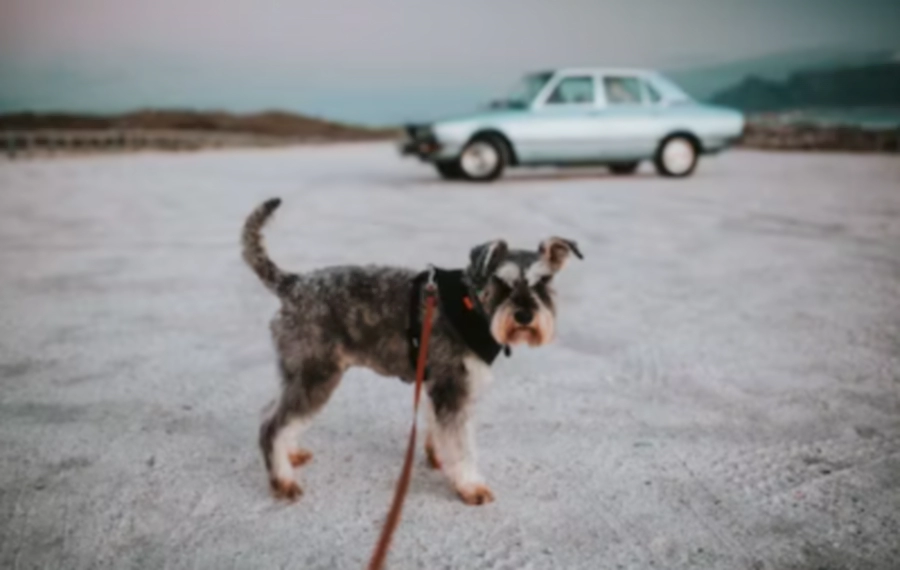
column 724, row 392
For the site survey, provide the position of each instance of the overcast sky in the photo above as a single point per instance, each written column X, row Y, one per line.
column 202, row 50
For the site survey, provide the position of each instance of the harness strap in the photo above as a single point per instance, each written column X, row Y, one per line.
column 460, row 307
column 415, row 323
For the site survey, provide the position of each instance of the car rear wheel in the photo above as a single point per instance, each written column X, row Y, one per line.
column 624, row 167
column 449, row 170
column 483, row 159
column 676, row 157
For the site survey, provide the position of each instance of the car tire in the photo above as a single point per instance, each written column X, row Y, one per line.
column 622, row 168
column 449, row 170
column 676, row 157
column 483, row 159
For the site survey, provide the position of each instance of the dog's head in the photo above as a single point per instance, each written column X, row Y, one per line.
column 515, row 288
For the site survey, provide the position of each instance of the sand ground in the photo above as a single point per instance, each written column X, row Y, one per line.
column 724, row 392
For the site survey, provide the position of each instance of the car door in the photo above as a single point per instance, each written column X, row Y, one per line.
column 559, row 128
column 629, row 127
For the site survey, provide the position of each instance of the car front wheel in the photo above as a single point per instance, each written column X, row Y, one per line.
column 676, row 157
column 483, row 159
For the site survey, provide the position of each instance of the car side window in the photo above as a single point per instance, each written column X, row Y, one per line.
column 623, row 90
column 573, row 90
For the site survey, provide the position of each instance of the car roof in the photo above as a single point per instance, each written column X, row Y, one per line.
column 599, row 70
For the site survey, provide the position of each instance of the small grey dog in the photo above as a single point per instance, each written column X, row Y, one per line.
column 337, row 317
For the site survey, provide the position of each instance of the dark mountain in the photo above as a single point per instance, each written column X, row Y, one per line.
column 875, row 85
column 705, row 81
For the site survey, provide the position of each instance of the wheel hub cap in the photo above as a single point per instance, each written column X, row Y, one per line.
column 678, row 156
column 479, row 159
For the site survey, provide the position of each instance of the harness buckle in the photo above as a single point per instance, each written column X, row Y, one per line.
column 430, row 284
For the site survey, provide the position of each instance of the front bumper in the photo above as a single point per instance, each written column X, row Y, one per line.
column 422, row 149
column 420, row 142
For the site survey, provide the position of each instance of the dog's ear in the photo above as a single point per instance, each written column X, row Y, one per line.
column 555, row 252
column 485, row 258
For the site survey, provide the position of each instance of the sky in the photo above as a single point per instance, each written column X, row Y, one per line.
column 383, row 60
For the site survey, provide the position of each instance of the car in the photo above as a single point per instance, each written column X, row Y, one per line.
column 578, row 116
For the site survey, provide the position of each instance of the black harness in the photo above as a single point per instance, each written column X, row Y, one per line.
column 460, row 308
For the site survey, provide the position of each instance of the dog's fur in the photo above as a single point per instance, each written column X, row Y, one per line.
column 337, row 317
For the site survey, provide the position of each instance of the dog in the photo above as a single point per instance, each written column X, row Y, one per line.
column 337, row 317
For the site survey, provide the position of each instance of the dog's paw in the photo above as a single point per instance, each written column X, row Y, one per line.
column 288, row 490
column 431, row 455
column 476, row 494
column 300, row 457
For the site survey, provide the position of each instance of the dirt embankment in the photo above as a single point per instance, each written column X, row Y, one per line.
column 772, row 136
column 269, row 123
column 40, row 134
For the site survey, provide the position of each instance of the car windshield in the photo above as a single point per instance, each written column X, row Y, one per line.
column 525, row 90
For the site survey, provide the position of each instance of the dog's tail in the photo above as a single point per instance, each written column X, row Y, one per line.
column 255, row 252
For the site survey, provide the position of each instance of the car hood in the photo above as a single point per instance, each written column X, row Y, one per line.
column 479, row 115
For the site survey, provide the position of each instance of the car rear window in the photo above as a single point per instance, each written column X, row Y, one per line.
column 622, row 90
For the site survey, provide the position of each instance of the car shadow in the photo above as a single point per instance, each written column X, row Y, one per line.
column 528, row 177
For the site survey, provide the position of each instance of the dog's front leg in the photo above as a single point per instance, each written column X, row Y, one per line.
column 452, row 431
column 455, row 441
column 431, row 454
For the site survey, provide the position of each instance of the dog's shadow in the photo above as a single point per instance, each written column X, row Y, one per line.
column 428, row 482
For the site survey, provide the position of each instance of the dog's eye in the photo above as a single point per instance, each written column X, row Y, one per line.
column 544, row 281
column 500, row 284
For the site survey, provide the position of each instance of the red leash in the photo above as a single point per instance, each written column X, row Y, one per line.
column 393, row 517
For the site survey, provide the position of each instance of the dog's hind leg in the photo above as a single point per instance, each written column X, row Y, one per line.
column 306, row 389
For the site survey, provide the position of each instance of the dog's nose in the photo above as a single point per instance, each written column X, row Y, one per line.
column 523, row 316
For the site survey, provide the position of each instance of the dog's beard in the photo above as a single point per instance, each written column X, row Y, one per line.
column 506, row 330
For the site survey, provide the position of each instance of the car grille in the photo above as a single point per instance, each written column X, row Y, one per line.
column 419, row 132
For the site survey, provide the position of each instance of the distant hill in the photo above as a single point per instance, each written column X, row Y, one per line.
column 876, row 85
column 705, row 81
column 270, row 123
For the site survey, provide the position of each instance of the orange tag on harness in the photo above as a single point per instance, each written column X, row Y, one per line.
column 468, row 303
